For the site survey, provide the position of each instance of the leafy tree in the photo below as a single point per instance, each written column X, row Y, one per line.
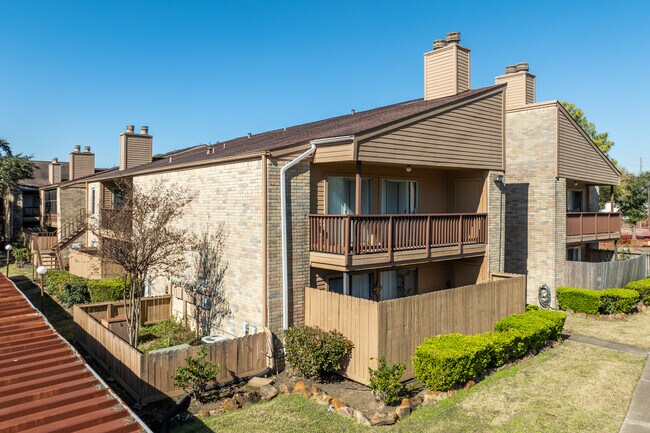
column 601, row 139
column 13, row 168
column 631, row 196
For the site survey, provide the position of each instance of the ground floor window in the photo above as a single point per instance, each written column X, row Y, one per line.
column 393, row 284
column 360, row 285
column 574, row 254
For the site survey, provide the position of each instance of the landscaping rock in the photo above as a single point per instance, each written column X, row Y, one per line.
column 268, row 392
column 403, row 412
column 382, row 418
column 323, row 398
column 202, row 413
column 258, row 382
column 247, row 398
column 285, row 388
column 230, row 404
column 347, row 412
column 361, row 418
column 470, row 384
column 413, row 403
column 315, row 391
column 429, row 397
column 337, row 403
column 302, row 389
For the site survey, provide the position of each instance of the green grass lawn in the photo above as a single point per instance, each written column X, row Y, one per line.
column 629, row 331
column 165, row 334
column 572, row 388
column 57, row 315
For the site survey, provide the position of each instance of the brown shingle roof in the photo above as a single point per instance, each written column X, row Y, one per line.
column 40, row 176
column 350, row 124
column 45, row 386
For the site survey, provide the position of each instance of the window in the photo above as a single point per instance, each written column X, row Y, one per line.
column 398, row 283
column 341, row 195
column 574, row 254
column 31, row 206
column 360, row 285
column 92, row 201
column 574, row 201
column 50, row 201
column 118, row 198
column 399, row 196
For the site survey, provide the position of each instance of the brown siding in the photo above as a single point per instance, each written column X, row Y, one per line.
column 463, row 70
column 81, row 164
column 516, row 90
column 530, row 89
column 334, row 153
column 135, row 150
column 439, row 73
column 578, row 157
column 470, row 136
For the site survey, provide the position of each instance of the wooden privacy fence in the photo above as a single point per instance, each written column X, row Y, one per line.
column 149, row 377
column 604, row 275
column 393, row 329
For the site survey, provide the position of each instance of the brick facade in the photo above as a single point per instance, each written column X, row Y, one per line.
column 228, row 193
column 535, row 200
column 298, row 204
column 496, row 203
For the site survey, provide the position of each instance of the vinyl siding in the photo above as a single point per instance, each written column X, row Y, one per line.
column 463, row 70
column 530, row 89
column 81, row 165
column 134, row 150
column 440, row 73
column 516, row 90
column 470, row 136
column 579, row 158
column 334, row 153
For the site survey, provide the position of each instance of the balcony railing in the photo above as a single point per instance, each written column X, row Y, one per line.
column 368, row 234
column 592, row 225
column 31, row 212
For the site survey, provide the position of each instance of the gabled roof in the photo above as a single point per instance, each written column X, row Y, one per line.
column 349, row 124
column 45, row 385
column 40, row 175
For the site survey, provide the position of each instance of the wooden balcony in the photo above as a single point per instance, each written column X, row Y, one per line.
column 592, row 226
column 357, row 242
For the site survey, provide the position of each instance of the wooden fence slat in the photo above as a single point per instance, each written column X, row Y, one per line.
column 604, row 275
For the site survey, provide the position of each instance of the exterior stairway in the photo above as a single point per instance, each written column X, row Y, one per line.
column 67, row 232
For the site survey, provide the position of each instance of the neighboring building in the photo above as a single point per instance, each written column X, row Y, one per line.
column 23, row 204
column 553, row 174
column 417, row 187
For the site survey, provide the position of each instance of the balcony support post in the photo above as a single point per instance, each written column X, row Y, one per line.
column 460, row 234
column 611, row 199
column 346, row 240
column 582, row 229
column 428, row 235
column 390, row 238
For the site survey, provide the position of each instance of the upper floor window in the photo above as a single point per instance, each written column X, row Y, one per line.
column 574, row 201
column 341, row 195
column 118, row 198
column 50, row 203
column 399, row 196
column 92, row 201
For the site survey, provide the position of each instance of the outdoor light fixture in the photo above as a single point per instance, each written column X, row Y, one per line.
column 42, row 270
column 408, row 168
column 8, row 249
column 499, row 178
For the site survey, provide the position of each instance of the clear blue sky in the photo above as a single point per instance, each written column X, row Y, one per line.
column 76, row 72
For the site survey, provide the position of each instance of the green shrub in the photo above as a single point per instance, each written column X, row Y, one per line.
column 643, row 288
column 531, row 307
column 557, row 319
column 614, row 301
column 535, row 330
column 56, row 280
column 21, row 256
column 75, row 292
column 106, row 289
column 579, row 300
column 449, row 360
column 198, row 375
column 505, row 345
column 385, row 381
column 314, row 352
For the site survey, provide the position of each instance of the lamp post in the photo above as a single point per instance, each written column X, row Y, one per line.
column 42, row 270
column 8, row 249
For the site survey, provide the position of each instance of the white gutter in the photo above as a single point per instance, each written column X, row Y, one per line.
column 283, row 210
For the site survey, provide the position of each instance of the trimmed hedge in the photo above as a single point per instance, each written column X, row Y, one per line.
column 106, row 290
column 579, row 300
column 614, row 301
column 609, row 301
column 315, row 352
column 56, row 280
column 643, row 288
column 450, row 360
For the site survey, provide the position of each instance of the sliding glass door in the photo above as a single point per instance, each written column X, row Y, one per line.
column 399, row 196
column 341, row 195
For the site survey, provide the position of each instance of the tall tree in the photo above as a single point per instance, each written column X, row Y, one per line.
column 631, row 196
column 13, row 168
column 142, row 236
column 601, row 139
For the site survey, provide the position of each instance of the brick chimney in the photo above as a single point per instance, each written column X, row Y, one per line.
column 54, row 171
column 135, row 149
column 81, row 163
column 520, row 90
column 446, row 68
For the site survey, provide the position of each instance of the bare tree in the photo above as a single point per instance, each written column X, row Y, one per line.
column 138, row 233
column 204, row 284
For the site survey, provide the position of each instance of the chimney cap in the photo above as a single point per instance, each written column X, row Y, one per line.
column 55, row 160
column 453, row 37
column 522, row 67
column 439, row 43
column 130, row 128
column 86, row 149
column 144, row 130
column 77, row 148
column 511, row 69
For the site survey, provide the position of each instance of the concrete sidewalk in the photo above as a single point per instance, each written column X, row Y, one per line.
column 637, row 419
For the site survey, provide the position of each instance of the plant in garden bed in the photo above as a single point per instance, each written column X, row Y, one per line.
column 609, row 301
column 21, row 256
column 199, row 374
column 385, row 382
column 314, row 352
column 165, row 334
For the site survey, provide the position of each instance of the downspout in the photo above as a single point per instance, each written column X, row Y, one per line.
column 283, row 211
